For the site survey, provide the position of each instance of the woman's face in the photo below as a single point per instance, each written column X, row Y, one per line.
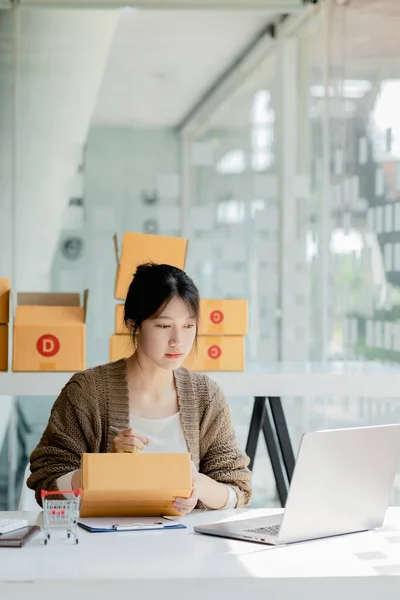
column 168, row 339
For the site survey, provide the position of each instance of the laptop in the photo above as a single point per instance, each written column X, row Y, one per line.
column 342, row 483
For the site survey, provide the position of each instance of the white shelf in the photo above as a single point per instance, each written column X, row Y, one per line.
column 274, row 379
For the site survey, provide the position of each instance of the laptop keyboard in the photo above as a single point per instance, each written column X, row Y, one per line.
column 272, row 530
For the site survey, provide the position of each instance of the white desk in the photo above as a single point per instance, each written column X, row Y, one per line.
column 181, row 564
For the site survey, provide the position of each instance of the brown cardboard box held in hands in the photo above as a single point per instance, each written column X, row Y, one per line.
column 134, row 485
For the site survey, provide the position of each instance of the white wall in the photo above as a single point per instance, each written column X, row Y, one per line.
column 60, row 61
column 6, row 139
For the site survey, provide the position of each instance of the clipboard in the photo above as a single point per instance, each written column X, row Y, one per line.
column 117, row 525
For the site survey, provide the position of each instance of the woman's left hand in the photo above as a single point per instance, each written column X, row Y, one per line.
column 186, row 505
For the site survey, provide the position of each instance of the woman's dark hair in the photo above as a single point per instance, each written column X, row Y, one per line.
column 152, row 287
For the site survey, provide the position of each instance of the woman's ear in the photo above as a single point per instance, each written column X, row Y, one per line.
column 130, row 323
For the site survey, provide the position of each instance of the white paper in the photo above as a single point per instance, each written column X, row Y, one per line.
column 362, row 150
column 108, row 523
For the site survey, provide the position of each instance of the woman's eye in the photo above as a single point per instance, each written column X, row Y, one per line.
column 190, row 326
column 163, row 326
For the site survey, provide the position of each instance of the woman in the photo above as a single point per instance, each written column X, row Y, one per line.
column 153, row 403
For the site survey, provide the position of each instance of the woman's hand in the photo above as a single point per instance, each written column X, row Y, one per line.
column 186, row 505
column 127, row 440
column 213, row 495
column 76, row 480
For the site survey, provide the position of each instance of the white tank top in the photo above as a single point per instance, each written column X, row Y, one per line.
column 165, row 435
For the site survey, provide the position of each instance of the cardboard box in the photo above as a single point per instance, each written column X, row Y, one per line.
column 4, row 301
column 121, row 346
column 3, row 347
column 223, row 317
column 217, row 353
column 50, row 332
column 134, row 485
column 120, row 327
column 139, row 248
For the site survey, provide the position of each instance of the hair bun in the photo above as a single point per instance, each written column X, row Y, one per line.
column 144, row 266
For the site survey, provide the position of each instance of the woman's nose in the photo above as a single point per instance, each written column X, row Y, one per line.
column 174, row 342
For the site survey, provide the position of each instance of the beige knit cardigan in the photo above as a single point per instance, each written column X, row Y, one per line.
column 96, row 399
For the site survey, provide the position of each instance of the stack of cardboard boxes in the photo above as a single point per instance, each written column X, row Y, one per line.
column 137, row 249
column 220, row 342
column 223, row 324
column 4, row 319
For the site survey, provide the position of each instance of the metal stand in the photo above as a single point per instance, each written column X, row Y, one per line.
column 271, row 420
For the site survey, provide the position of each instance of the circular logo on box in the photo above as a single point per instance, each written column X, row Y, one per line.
column 217, row 316
column 214, row 352
column 48, row 345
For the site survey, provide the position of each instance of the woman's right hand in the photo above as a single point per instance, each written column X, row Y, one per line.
column 127, row 440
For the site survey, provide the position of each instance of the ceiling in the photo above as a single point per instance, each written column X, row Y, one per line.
column 162, row 62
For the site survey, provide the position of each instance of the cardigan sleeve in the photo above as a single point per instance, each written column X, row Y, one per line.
column 220, row 457
column 74, row 427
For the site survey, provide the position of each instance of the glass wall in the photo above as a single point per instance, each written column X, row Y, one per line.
column 347, row 148
column 233, row 212
column 365, row 213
